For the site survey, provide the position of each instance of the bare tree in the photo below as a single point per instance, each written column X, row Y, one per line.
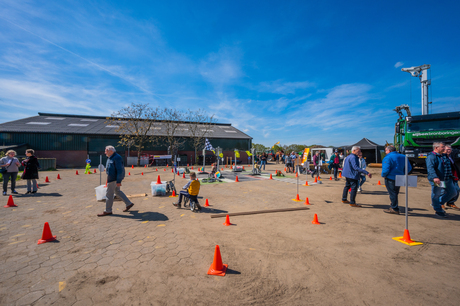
column 172, row 128
column 136, row 124
column 200, row 126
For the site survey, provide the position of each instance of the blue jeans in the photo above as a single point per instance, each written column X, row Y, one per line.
column 455, row 198
column 362, row 180
column 353, row 184
column 263, row 163
column 393, row 190
column 439, row 196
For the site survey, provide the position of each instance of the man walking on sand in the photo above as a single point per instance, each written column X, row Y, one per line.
column 115, row 174
column 351, row 172
column 393, row 164
column 440, row 177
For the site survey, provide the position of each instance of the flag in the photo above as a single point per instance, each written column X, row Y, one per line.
column 275, row 144
column 237, row 154
column 208, row 146
column 221, row 155
column 248, row 153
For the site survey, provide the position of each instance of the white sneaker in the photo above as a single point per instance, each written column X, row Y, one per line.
column 359, row 189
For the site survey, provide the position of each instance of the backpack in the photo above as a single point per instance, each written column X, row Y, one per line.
column 336, row 160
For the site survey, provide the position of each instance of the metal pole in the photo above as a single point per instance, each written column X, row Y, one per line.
column 407, row 194
column 204, row 158
column 100, row 172
column 235, row 159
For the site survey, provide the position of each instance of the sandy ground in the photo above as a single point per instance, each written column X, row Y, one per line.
column 159, row 255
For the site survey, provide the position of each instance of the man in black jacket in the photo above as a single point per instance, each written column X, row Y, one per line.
column 455, row 174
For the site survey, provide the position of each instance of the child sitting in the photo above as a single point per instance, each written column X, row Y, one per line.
column 190, row 190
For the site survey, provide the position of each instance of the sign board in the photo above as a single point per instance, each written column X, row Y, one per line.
column 88, row 161
column 101, row 168
column 178, row 158
column 162, row 156
column 401, row 180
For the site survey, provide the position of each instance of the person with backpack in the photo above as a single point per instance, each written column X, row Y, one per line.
column 334, row 163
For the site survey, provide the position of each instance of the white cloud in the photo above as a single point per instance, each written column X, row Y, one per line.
column 399, row 64
column 284, row 88
column 222, row 67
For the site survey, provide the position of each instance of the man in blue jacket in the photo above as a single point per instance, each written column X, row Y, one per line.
column 351, row 172
column 440, row 177
column 393, row 164
column 115, row 170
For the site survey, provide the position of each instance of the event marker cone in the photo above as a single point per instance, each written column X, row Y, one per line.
column 132, row 166
column 243, row 167
column 187, row 165
column 183, row 175
column 349, row 190
column 217, row 268
column 142, row 173
column 406, row 239
column 340, row 175
column 296, row 174
column 378, row 183
column 145, row 166
column 306, row 183
column 172, row 170
column 156, row 169
column 236, row 179
column 76, row 172
column 173, row 194
column 167, row 165
column 192, row 168
column 47, row 180
column 297, row 198
column 330, row 178
column 10, row 202
column 315, row 220
column 94, row 170
column 164, row 169
column 307, row 202
column 46, row 235
column 58, row 177
column 129, row 173
column 206, row 204
column 227, row 221
column 284, row 169
column 158, row 180
column 319, row 178
column 271, row 176
column 316, row 180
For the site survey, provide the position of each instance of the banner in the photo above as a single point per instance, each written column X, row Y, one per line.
column 306, row 151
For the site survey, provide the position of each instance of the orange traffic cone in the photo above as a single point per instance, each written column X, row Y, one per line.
column 172, row 170
column 319, row 178
column 47, row 180
column 284, row 169
column 129, row 173
column 316, row 180
column 217, row 268
column 406, row 237
column 158, row 180
column 192, row 168
column 164, row 169
column 349, row 190
column 307, row 202
column 236, row 179
column 315, row 219
column 105, row 184
column 46, row 235
column 227, row 221
column 330, row 178
column 132, row 166
column 58, row 177
column 167, row 165
column 94, row 170
column 156, row 169
column 296, row 174
column 243, row 167
column 183, row 175
column 378, row 183
column 297, row 199
column 142, row 173
column 271, row 176
column 187, row 165
column 10, row 202
column 76, row 172
column 340, row 175
column 173, row 194
column 207, row 203
column 306, row 183
column 145, row 166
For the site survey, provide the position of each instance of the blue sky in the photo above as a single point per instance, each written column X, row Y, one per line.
column 324, row 72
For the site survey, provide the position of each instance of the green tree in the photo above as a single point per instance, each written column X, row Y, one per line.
column 259, row 148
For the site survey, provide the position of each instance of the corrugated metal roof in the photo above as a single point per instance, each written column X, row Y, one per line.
column 95, row 125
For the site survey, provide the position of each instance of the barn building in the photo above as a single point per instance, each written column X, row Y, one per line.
column 71, row 139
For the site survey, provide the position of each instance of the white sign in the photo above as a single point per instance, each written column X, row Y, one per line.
column 101, row 168
column 401, row 180
column 178, row 159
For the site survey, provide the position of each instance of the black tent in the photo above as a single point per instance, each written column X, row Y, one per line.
column 372, row 152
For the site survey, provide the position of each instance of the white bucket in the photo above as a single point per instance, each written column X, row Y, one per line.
column 158, row 189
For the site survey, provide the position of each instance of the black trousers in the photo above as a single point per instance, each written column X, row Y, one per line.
column 6, row 178
column 353, row 184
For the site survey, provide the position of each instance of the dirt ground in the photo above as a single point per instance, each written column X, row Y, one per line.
column 159, row 255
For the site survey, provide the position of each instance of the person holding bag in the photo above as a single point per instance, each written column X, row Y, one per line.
column 9, row 169
column 30, row 174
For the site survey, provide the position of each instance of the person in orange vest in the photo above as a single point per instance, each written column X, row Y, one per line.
column 190, row 190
